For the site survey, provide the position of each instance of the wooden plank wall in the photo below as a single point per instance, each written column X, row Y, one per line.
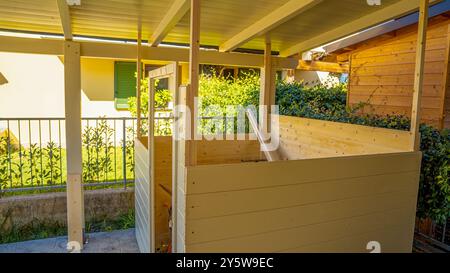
column 228, row 151
column 308, row 138
column 209, row 152
column 446, row 106
column 316, row 205
column 163, row 186
column 382, row 72
column 142, row 196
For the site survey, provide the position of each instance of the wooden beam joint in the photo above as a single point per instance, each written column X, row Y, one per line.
column 172, row 17
column 66, row 22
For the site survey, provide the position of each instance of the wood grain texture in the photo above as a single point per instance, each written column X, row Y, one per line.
column 142, row 196
column 308, row 138
column 295, row 206
column 228, row 151
column 72, row 102
column 383, row 69
column 416, row 111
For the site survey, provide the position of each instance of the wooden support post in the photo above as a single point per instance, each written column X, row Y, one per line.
column 72, row 88
column 138, row 81
column 193, row 76
column 151, row 151
column 267, row 92
column 419, row 75
column 174, row 86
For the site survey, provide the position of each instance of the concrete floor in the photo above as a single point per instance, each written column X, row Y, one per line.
column 122, row 241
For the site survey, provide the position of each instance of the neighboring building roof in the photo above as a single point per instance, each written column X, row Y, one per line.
column 411, row 19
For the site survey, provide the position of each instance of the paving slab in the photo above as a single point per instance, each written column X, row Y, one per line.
column 121, row 241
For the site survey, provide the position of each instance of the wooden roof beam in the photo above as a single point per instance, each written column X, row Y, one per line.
column 375, row 18
column 172, row 17
column 323, row 66
column 128, row 52
column 66, row 22
column 269, row 22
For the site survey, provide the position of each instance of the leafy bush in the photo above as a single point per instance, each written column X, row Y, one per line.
column 98, row 144
column 222, row 91
column 434, row 189
column 320, row 102
column 52, row 171
column 162, row 99
column 217, row 93
column 329, row 103
column 40, row 165
column 8, row 168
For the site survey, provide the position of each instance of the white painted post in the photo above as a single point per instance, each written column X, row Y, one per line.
column 75, row 196
column 419, row 75
column 138, row 81
column 194, row 51
column 267, row 92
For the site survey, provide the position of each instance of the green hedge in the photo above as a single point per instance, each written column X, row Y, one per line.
column 329, row 103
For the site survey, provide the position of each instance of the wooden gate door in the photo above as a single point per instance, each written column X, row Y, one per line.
column 145, row 164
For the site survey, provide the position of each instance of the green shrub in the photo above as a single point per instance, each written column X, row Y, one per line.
column 434, row 189
column 98, row 144
column 8, row 168
column 221, row 91
column 329, row 103
column 214, row 90
column 217, row 93
column 320, row 102
column 162, row 99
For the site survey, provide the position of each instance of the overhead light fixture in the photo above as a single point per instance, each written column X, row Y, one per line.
column 3, row 80
column 73, row 2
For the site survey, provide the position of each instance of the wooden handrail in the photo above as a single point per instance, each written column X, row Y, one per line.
column 270, row 155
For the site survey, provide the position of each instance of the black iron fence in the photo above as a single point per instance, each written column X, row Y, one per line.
column 33, row 151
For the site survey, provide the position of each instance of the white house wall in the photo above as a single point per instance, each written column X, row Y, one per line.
column 35, row 89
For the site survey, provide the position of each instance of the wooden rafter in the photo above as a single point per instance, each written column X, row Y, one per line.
column 393, row 11
column 172, row 17
column 66, row 22
column 323, row 66
column 269, row 22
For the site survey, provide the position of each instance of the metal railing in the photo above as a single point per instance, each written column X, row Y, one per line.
column 33, row 151
column 33, row 154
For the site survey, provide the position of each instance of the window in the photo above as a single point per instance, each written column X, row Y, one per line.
column 124, row 84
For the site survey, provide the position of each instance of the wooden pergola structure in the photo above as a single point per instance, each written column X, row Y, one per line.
column 269, row 35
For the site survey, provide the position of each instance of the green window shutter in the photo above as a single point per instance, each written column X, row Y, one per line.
column 124, row 84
